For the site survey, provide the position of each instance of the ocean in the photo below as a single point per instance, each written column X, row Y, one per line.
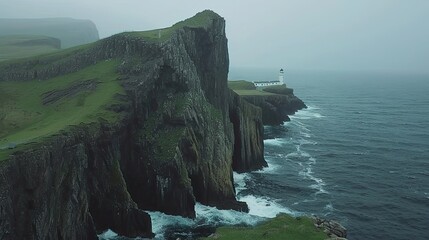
column 359, row 154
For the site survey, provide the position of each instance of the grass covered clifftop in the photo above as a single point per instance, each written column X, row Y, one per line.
column 200, row 20
column 89, row 171
column 22, row 46
column 245, row 88
column 43, row 94
column 32, row 110
column 282, row 227
column 277, row 102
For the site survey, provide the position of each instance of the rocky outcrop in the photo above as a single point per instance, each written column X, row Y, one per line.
column 332, row 228
column 248, row 132
column 56, row 95
column 276, row 108
column 181, row 134
column 187, row 139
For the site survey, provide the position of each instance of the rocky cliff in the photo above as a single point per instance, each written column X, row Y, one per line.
column 180, row 135
column 276, row 108
column 248, row 132
column 277, row 102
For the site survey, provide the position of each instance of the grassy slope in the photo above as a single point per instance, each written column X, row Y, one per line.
column 282, row 227
column 201, row 19
column 245, row 88
column 10, row 50
column 23, row 117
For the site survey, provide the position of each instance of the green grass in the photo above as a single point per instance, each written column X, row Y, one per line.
column 252, row 93
column 282, row 227
column 241, row 85
column 23, row 117
column 245, row 88
column 34, row 62
column 201, row 19
column 163, row 138
column 12, row 47
column 278, row 89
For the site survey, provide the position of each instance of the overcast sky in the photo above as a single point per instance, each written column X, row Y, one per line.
column 358, row 35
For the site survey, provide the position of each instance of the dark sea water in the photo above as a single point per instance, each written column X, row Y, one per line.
column 359, row 154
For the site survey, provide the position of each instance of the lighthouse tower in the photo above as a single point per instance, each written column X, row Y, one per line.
column 281, row 76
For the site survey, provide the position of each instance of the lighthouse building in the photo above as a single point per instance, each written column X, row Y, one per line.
column 280, row 81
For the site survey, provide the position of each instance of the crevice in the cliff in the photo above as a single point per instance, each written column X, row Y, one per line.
column 235, row 120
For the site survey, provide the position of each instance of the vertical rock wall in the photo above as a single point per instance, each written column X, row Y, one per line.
column 182, row 134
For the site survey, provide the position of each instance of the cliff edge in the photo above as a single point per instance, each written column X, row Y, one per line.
column 276, row 102
column 138, row 121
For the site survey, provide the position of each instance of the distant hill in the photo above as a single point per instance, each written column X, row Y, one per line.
column 71, row 32
column 21, row 46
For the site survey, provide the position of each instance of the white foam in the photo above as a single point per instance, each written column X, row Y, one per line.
column 311, row 108
column 298, row 153
column 214, row 216
column 303, row 141
column 308, row 113
column 265, row 207
column 205, row 215
column 329, row 207
column 108, row 234
column 307, row 173
column 272, row 168
column 240, row 181
column 304, row 154
column 306, row 135
column 302, row 126
column 161, row 221
column 274, row 142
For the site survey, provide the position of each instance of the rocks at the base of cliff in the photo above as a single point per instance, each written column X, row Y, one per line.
column 332, row 228
column 276, row 108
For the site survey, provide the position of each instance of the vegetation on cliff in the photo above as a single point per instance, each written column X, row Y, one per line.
column 200, row 20
column 24, row 116
column 245, row 88
column 21, row 46
column 96, row 133
column 280, row 89
column 276, row 102
column 282, row 227
column 32, row 110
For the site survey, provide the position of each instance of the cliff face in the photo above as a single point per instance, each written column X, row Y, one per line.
column 67, row 188
column 276, row 108
column 181, row 135
column 248, row 132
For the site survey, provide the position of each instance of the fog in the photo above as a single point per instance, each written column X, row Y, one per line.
column 364, row 35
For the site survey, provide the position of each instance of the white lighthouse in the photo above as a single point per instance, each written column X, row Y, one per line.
column 271, row 83
column 281, row 77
